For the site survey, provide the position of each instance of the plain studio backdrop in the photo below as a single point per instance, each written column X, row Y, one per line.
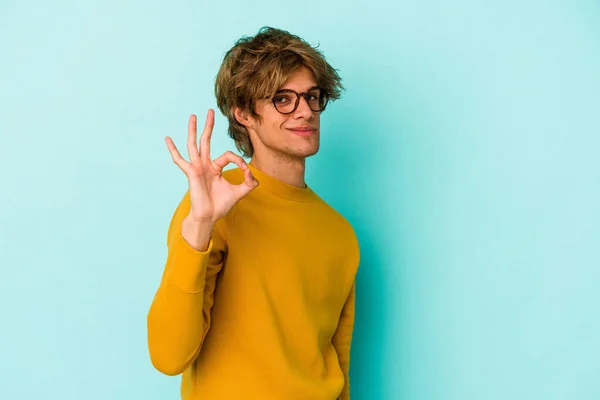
column 465, row 152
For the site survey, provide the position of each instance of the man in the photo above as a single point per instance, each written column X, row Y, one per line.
column 257, row 297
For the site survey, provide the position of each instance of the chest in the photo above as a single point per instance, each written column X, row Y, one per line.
column 303, row 257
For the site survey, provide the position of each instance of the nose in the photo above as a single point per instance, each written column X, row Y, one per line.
column 303, row 110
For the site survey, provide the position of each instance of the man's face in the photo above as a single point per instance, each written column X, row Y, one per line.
column 287, row 136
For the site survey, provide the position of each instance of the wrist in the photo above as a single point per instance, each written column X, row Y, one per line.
column 200, row 222
column 197, row 233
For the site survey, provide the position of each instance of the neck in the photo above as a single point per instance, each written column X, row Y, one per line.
column 290, row 171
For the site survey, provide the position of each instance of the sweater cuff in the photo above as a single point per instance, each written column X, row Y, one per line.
column 186, row 266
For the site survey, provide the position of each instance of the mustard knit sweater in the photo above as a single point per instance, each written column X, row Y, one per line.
column 267, row 311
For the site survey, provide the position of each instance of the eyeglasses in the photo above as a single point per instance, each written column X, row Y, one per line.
column 286, row 101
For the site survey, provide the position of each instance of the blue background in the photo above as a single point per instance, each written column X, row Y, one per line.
column 465, row 153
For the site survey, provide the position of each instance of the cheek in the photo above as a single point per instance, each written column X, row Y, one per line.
column 277, row 121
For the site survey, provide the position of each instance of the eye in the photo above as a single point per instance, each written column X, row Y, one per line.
column 314, row 96
column 282, row 99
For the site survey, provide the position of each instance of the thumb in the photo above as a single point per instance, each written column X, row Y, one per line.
column 249, row 184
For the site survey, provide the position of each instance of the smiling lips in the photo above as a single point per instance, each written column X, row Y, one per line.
column 303, row 130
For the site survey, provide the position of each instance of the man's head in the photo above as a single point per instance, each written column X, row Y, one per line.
column 270, row 87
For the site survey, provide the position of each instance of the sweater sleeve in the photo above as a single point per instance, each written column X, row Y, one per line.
column 179, row 316
column 342, row 340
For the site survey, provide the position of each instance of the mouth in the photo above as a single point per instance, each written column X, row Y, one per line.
column 305, row 131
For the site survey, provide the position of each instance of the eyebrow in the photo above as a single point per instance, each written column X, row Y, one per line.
column 308, row 90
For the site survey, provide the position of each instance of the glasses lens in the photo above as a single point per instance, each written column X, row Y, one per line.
column 315, row 100
column 323, row 99
column 285, row 101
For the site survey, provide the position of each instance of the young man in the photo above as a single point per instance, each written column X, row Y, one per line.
column 257, row 297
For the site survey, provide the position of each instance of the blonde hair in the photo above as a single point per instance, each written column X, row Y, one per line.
column 256, row 67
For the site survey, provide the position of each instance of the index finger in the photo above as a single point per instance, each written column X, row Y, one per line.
column 206, row 135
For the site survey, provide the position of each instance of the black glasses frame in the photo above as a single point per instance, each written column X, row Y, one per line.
column 298, row 95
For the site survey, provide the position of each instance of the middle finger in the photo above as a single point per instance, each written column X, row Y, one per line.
column 206, row 135
column 192, row 144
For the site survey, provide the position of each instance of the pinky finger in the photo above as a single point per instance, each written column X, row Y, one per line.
column 177, row 158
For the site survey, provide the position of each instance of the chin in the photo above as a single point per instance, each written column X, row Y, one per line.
column 309, row 151
column 301, row 152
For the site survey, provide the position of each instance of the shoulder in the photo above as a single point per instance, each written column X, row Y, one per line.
column 334, row 213
column 345, row 227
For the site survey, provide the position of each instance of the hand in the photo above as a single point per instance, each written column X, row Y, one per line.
column 211, row 195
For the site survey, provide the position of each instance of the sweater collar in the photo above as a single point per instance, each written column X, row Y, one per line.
column 280, row 188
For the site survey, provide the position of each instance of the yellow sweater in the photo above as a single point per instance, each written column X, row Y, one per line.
column 267, row 312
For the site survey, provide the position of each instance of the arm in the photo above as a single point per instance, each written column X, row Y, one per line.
column 342, row 340
column 179, row 316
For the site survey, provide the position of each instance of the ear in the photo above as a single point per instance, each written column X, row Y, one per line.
column 242, row 117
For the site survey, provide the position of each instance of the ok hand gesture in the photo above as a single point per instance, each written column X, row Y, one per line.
column 211, row 195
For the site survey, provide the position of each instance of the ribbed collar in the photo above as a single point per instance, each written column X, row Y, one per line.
column 280, row 188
